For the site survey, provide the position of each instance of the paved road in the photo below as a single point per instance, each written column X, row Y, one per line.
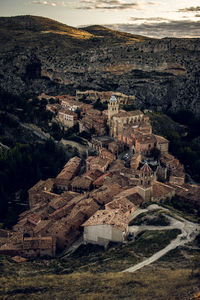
column 188, row 233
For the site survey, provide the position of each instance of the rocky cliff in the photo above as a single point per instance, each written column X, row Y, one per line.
column 40, row 55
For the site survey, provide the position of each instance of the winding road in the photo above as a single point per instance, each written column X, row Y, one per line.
column 189, row 231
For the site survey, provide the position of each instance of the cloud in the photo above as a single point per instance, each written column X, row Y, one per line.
column 50, row 3
column 190, row 9
column 153, row 19
column 173, row 28
column 107, row 4
column 197, row 15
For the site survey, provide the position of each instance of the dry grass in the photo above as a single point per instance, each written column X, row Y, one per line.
column 148, row 283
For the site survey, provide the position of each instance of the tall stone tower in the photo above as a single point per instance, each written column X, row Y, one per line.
column 113, row 107
column 145, row 185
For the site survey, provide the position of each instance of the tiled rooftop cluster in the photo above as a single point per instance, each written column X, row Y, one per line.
column 107, row 193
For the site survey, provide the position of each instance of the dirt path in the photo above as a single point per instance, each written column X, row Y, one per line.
column 188, row 233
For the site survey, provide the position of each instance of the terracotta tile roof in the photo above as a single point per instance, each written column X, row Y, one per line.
column 146, row 169
column 160, row 189
column 93, row 174
column 97, row 160
column 34, row 219
column 81, row 182
column 146, row 138
column 61, row 201
column 136, row 199
column 99, row 181
column 70, row 168
column 108, row 217
column 122, row 204
column 161, row 139
column 106, row 193
column 43, row 185
column 43, row 225
column 117, row 165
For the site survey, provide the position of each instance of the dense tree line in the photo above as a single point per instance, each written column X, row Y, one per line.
column 20, row 168
column 26, row 109
column 187, row 148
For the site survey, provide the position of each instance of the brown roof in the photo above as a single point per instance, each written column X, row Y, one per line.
column 122, row 204
column 43, row 225
column 108, row 217
column 93, row 174
column 43, row 185
column 136, row 199
column 161, row 139
column 97, row 160
column 34, row 219
column 161, row 189
column 146, row 169
column 70, row 168
column 61, row 201
column 81, row 182
column 146, row 138
column 99, row 181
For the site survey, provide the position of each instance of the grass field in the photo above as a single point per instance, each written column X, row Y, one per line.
column 148, row 283
column 92, row 273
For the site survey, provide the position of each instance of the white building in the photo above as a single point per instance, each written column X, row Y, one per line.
column 110, row 224
column 105, row 226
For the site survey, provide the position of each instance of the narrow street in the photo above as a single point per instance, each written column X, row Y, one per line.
column 189, row 231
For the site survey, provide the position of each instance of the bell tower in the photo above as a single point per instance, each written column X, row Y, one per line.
column 145, row 185
column 113, row 107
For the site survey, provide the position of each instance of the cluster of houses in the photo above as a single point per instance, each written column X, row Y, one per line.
column 99, row 203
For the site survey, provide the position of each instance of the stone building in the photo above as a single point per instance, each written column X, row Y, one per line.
column 162, row 144
column 145, row 144
column 105, row 226
column 68, row 118
column 39, row 246
column 106, row 154
column 81, row 184
column 96, row 163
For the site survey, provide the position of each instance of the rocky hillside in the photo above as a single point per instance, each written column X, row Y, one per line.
column 41, row 55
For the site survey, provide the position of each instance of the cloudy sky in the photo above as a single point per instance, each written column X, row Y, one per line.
column 157, row 18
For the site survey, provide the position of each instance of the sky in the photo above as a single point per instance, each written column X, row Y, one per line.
column 155, row 18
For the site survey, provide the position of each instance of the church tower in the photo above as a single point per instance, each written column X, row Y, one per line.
column 113, row 107
column 145, row 185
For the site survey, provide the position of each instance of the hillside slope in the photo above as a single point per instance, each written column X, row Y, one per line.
column 41, row 55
